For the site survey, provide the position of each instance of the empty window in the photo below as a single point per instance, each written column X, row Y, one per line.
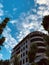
column 23, row 48
column 23, row 54
column 26, row 59
column 26, row 52
column 26, row 41
column 23, row 61
column 26, row 46
column 20, row 62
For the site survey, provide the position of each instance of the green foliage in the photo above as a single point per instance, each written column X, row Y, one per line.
column 48, row 61
column 16, row 60
column 2, row 40
column 6, row 62
column 1, row 62
column 2, row 26
column 47, row 50
column 46, row 38
column 33, row 63
column 45, row 22
column 32, row 52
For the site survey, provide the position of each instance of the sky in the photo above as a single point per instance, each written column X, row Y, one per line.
column 25, row 17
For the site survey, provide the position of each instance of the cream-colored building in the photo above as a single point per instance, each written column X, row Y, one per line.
column 22, row 48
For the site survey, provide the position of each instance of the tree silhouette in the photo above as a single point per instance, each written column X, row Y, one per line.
column 45, row 22
column 4, row 62
column 2, row 26
column 32, row 52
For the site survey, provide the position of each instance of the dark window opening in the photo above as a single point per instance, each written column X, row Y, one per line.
column 26, row 59
column 26, row 46
column 23, row 48
column 26, row 52
column 23, row 54
column 23, row 61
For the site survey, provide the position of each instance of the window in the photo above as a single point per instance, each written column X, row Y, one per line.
column 26, row 41
column 23, row 61
column 23, row 54
column 20, row 62
column 23, row 48
column 26, row 46
column 26, row 52
column 26, row 59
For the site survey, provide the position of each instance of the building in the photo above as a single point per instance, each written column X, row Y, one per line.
column 22, row 48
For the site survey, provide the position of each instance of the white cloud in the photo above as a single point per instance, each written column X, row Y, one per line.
column 1, row 5
column 1, row 56
column 33, row 10
column 46, row 12
column 26, row 23
column 1, row 12
column 22, row 34
column 14, row 9
column 41, row 2
column 13, row 21
column 0, row 19
column 10, row 42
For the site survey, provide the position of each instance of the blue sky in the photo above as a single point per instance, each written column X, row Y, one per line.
column 25, row 17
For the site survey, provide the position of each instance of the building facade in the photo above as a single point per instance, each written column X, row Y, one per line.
column 22, row 48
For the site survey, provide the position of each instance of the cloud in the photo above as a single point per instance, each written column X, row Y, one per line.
column 42, row 2
column 0, row 19
column 1, row 11
column 1, row 5
column 14, row 9
column 13, row 21
column 29, row 22
column 43, row 8
column 1, row 56
column 22, row 34
column 26, row 23
column 10, row 42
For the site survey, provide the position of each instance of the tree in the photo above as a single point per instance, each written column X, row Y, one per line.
column 45, row 22
column 33, row 63
column 6, row 62
column 47, row 50
column 1, row 62
column 46, row 39
column 32, row 52
column 2, row 26
column 16, row 60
